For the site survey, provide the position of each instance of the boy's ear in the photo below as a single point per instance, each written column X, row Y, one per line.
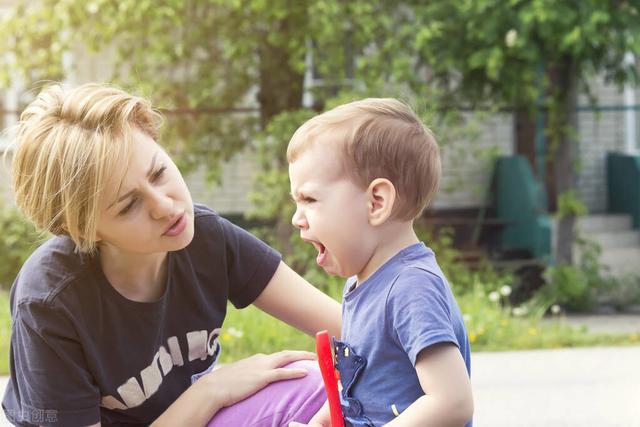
column 381, row 196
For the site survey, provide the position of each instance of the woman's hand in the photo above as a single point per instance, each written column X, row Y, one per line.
column 237, row 381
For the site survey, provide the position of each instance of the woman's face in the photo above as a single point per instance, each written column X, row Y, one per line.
column 152, row 211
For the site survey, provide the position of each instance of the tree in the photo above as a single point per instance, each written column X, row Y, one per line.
column 230, row 74
column 529, row 54
column 222, row 70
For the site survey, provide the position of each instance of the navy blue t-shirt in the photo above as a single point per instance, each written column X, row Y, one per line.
column 83, row 353
column 403, row 308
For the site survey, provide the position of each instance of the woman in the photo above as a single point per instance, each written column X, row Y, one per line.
column 117, row 315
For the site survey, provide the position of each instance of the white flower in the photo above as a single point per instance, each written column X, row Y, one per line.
column 92, row 8
column 466, row 317
column 494, row 296
column 555, row 309
column 519, row 311
column 505, row 290
column 510, row 37
column 234, row 332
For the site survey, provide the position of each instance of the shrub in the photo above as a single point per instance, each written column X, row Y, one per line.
column 18, row 239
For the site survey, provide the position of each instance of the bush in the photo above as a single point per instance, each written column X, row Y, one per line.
column 18, row 239
column 576, row 287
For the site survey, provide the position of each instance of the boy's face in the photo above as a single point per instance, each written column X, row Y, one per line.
column 331, row 210
column 153, row 211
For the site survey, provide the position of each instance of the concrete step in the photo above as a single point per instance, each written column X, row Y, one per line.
column 604, row 222
column 622, row 261
column 616, row 239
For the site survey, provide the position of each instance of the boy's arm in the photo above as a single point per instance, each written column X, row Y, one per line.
column 295, row 301
column 443, row 376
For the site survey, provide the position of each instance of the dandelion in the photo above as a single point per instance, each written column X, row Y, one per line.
column 505, row 290
column 633, row 337
column 510, row 38
column 92, row 8
column 472, row 337
column 504, row 322
column 494, row 296
column 226, row 337
column 235, row 332
column 533, row 331
column 519, row 311
column 555, row 309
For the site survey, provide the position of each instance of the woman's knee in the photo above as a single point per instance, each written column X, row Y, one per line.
column 278, row 403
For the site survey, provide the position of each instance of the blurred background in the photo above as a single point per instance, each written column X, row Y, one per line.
column 535, row 104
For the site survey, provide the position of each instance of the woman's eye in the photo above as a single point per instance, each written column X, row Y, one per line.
column 308, row 200
column 156, row 176
column 128, row 207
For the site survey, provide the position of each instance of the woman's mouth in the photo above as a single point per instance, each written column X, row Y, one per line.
column 177, row 227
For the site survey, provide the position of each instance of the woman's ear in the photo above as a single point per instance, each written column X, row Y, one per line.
column 381, row 195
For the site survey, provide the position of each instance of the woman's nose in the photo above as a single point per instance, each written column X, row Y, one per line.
column 161, row 205
column 298, row 220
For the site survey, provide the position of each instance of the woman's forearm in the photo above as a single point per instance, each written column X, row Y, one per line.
column 293, row 300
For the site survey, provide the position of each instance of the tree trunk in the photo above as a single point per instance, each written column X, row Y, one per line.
column 281, row 85
column 525, row 133
column 565, row 157
column 281, row 88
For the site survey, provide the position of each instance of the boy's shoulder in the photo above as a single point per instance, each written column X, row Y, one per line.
column 419, row 272
column 419, row 260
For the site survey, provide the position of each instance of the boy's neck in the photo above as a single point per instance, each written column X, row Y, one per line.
column 391, row 239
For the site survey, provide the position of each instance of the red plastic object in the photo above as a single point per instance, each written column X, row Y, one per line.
column 325, row 360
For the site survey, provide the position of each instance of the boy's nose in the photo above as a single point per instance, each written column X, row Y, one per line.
column 298, row 220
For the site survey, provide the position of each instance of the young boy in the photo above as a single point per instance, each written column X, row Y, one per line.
column 360, row 174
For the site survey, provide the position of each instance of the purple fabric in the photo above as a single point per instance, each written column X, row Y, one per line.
column 278, row 403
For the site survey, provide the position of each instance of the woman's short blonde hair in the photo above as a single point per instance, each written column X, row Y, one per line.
column 379, row 138
column 68, row 145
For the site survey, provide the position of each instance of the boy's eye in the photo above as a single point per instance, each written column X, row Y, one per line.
column 308, row 199
column 128, row 207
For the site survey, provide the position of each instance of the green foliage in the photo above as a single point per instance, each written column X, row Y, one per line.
column 576, row 287
column 497, row 48
column 5, row 332
column 19, row 238
column 569, row 204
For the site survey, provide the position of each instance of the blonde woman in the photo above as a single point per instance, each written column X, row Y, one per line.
column 116, row 318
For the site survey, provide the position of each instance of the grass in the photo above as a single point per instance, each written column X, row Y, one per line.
column 5, row 332
column 491, row 327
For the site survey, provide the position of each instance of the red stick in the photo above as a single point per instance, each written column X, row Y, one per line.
column 325, row 360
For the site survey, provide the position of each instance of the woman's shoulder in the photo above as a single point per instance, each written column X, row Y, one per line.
column 50, row 269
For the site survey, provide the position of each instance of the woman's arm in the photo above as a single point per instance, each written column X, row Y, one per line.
column 228, row 385
column 295, row 301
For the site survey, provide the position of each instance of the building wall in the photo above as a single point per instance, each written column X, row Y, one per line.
column 467, row 164
column 600, row 132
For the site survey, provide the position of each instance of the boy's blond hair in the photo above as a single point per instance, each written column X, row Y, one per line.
column 68, row 145
column 380, row 138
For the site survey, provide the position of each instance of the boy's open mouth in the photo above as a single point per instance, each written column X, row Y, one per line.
column 322, row 253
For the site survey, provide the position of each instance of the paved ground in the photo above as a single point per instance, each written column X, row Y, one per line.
column 597, row 386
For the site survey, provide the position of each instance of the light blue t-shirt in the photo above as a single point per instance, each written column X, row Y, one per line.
column 404, row 307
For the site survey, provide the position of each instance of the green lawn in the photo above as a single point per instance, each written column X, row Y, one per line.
column 5, row 332
column 251, row 331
